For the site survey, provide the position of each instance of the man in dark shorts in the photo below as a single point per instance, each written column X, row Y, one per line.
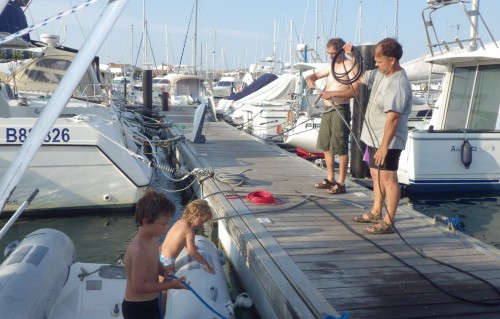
column 385, row 130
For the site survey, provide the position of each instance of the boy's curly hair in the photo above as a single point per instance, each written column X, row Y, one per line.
column 151, row 206
column 195, row 209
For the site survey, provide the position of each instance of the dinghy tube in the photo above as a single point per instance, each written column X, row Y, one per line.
column 37, row 270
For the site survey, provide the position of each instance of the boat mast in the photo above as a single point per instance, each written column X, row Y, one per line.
column 213, row 55
column 166, row 42
column 144, row 36
column 357, row 37
column 290, row 51
column 195, row 33
column 274, row 41
column 3, row 3
column 396, row 21
column 132, row 50
column 335, row 18
column 316, row 29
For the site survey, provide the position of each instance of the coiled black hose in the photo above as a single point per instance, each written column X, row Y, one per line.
column 343, row 77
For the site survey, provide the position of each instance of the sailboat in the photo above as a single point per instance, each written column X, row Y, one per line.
column 91, row 157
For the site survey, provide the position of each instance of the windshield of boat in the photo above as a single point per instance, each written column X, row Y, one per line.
column 474, row 98
column 224, row 83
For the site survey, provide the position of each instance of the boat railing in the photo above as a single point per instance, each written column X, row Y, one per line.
column 443, row 46
column 92, row 92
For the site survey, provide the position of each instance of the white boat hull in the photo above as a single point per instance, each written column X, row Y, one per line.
column 264, row 120
column 83, row 165
column 433, row 162
column 304, row 134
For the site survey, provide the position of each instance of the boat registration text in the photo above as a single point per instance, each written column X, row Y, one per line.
column 19, row 135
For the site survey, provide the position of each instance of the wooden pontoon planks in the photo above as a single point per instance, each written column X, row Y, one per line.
column 311, row 259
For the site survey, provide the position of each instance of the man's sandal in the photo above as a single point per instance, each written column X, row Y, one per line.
column 325, row 184
column 383, row 229
column 339, row 190
column 371, row 218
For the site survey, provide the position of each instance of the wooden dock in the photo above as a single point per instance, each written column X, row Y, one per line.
column 304, row 258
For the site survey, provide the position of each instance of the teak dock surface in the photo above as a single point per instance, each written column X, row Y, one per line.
column 306, row 259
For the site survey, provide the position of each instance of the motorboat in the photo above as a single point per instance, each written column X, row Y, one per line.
column 227, row 85
column 160, row 85
column 458, row 150
column 187, row 89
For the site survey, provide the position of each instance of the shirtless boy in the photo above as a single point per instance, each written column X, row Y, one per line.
column 142, row 265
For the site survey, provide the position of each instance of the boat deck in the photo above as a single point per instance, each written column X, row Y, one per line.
column 303, row 257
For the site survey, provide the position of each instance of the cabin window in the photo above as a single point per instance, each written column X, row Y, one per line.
column 56, row 64
column 461, row 89
column 486, row 99
column 474, row 100
column 42, row 76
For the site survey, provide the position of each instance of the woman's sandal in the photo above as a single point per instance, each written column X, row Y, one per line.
column 339, row 190
column 384, row 229
column 325, row 184
column 372, row 218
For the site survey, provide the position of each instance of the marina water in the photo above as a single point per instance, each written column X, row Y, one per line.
column 98, row 236
column 479, row 213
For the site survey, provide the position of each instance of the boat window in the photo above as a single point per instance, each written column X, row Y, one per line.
column 56, row 64
column 223, row 83
column 42, row 76
column 474, row 99
column 486, row 99
column 460, row 95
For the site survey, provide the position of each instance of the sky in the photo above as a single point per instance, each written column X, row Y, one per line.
column 235, row 33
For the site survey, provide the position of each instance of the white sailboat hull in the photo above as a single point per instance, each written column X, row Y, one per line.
column 304, row 134
column 83, row 165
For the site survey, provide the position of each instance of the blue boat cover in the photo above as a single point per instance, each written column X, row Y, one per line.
column 12, row 19
column 256, row 85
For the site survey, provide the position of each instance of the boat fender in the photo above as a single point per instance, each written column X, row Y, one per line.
column 222, row 256
column 116, row 310
column 466, row 152
column 243, row 300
